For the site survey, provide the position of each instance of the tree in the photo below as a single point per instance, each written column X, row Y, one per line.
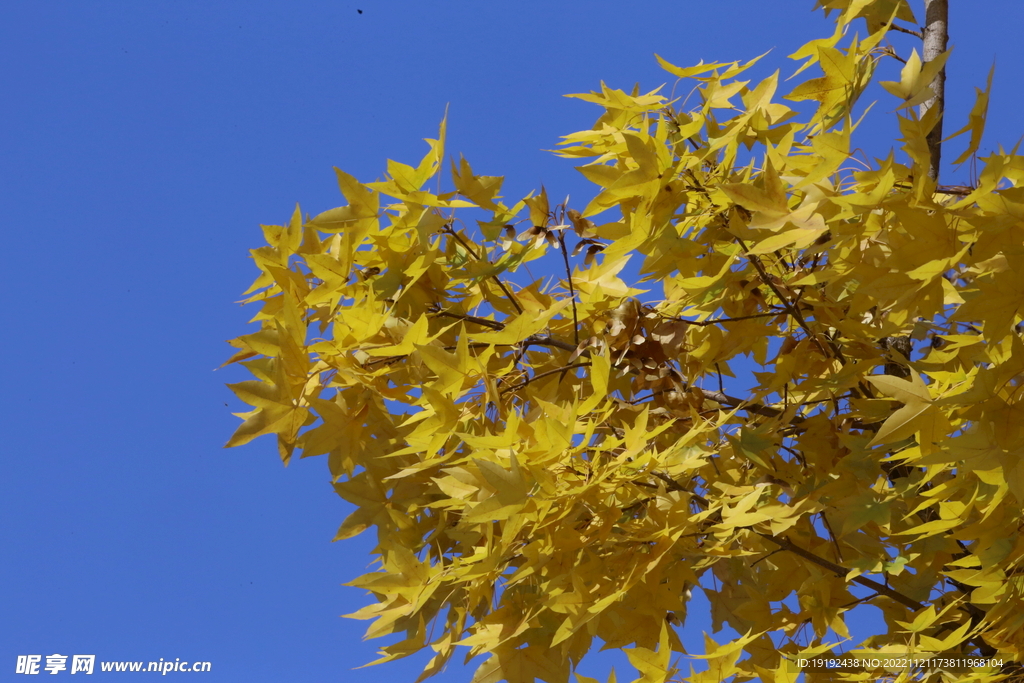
column 550, row 467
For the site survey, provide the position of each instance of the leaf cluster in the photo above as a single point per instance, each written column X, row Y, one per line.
column 552, row 465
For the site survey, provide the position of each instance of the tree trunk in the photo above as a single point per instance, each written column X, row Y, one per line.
column 936, row 34
column 935, row 37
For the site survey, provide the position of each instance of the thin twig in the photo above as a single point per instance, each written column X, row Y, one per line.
column 797, row 454
column 537, row 376
column 515, row 304
column 916, row 34
column 717, row 321
column 672, row 484
column 832, row 535
column 493, row 324
column 385, row 359
column 793, row 310
column 572, row 291
column 754, row 563
column 890, row 52
column 533, row 340
column 858, row 601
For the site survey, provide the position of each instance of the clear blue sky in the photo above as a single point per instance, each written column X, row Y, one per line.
column 141, row 144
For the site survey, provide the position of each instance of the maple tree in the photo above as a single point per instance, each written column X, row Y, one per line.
column 806, row 400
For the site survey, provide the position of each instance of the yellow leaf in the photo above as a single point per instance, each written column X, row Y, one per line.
column 450, row 372
column 600, row 370
column 904, row 391
column 976, row 120
column 653, row 665
column 754, row 199
column 916, row 79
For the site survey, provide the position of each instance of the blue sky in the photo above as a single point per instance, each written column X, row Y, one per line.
column 149, row 141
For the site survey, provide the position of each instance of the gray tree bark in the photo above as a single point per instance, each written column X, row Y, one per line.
column 936, row 35
column 935, row 38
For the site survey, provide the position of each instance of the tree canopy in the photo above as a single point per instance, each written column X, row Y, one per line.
column 766, row 367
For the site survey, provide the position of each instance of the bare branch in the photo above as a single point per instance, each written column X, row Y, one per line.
column 908, row 31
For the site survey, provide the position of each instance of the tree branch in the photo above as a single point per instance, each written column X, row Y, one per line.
column 840, row 570
column 975, row 614
column 785, row 544
column 756, row 408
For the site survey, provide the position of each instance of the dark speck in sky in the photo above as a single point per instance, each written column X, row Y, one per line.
column 360, row 11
